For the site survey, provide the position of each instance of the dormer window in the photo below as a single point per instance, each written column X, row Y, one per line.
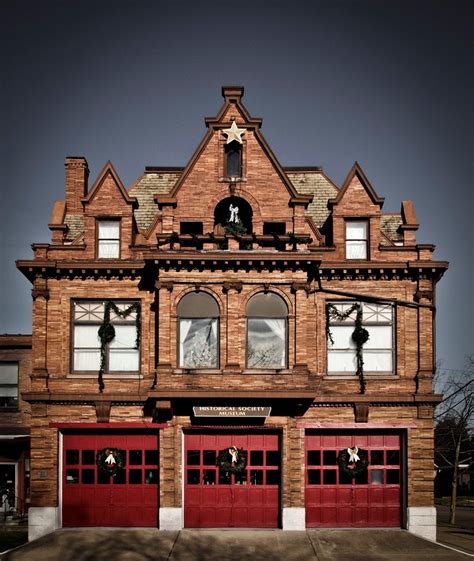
column 233, row 159
column 357, row 239
column 108, row 239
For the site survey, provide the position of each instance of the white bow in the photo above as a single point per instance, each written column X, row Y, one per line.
column 110, row 459
column 234, row 453
column 353, row 457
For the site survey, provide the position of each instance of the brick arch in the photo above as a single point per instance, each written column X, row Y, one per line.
column 190, row 290
column 239, row 192
column 258, row 290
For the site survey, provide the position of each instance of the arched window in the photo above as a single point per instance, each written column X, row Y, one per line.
column 267, row 328
column 233, row 159
column 198, row 331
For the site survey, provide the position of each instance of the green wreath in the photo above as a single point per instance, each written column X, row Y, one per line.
column 110, row 460
column 226, row 462
column 355, row 467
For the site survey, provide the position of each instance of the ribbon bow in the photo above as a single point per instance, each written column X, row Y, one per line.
column 110, row 459
column 353, row 457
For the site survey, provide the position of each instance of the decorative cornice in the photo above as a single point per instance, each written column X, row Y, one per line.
column 40, row 293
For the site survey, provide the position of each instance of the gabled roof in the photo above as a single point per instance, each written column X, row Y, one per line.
column 109, row 169
column 356, row 171
column 232, row 99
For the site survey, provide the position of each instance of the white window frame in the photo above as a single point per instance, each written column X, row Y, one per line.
column 8, row 385
column 91, row 313
column 375, row 318
column 105, row 241
column 356, row 243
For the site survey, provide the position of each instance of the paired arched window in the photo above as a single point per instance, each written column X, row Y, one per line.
column 267, row 331
column 198, row 323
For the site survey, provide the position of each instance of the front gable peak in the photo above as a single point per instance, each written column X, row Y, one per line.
column 107, row 172
column 356, row 173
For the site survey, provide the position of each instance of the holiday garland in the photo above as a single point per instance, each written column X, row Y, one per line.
column 353, row 461
column 110, row 461
column 232, row 460
column 107, row 332
column 360, row 335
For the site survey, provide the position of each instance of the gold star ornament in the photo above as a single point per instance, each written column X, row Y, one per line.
column 234, row 133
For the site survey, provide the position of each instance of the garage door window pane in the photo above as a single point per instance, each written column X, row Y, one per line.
column 88, row 476
column 314, row 477
column 72, row 476
column 72, row 457
column 151, row 457
column 151, row 476
column 135, row 476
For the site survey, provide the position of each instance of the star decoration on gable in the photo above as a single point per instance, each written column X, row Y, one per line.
column 234, row 133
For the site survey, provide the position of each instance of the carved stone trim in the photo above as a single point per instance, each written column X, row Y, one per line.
column 300, row 286
column 168, row 285
column 361, row 412
column 227, row 286
column 40, row 293
column 425, row 412
column 421, row 295
column 102, row 410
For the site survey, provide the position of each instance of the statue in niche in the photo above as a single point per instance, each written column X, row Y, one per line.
column 234, row 214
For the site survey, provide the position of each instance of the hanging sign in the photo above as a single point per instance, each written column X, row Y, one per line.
column 231, row 411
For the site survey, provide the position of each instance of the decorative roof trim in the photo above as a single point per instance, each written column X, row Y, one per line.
column 109, row 168
column 356, row 171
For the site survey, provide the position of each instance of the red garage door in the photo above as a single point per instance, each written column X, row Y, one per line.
column 334, row 499
column 92, row 498
column 214, row 498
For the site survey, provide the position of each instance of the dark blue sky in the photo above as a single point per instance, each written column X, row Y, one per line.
column 386, row 83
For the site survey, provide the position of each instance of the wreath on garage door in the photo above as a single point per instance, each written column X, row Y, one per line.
column 353, row 461
column 110, row 460
column 232, row 459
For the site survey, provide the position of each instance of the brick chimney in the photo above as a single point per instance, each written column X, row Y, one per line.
column 77, row 173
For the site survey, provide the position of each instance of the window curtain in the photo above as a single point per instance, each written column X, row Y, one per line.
column 198, row 343
column 266, row 340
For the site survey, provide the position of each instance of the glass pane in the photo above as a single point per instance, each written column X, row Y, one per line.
column 193, row 477
column 209, row 457
column 8, row 400
column 72, row 476
column 224, row 477
column 135, row 457
column 151, row 476
column 119, row 478
column 87, row 360
column 344, row 478
column 109, row 229
column 88, row 476
column 151, row 457
column 193, row 457
column 273, row 458
column 198, row 343
column 362, row 479
column 376, row 457
column 273, row 477
column 266, row 343
column 314, row 458
column 233, row 160
column 342, row 361
column 329, row 476
column 121, row 360
column 342, row 337
column 86, row 337
column 393, row 457
column 380, row 337
column 356, row 250
column 256, row 477
column 241, row 478
column 135, row 476
column 109, row 249
column 8, row 373
column 102, row 478
column 329, row 457
column 125, row 337
column 377, row 361
column 393, row 476
column 314, row 477
column 356, row 230
column 88, row 457
column 89, row 311
column 72, row 457
column 209, row 477
column 267, row 305
column 376, row 476
column 256, row 457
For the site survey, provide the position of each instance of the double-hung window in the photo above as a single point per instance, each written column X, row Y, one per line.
column 267, row 327
column 121, row 354
column 356, row 239
column 8, row 384
column 108, row 239
column 377, row 352
column 198, row 317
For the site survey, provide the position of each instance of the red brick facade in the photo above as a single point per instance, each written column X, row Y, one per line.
column 304, row 264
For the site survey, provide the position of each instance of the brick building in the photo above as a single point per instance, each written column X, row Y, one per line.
column 228, row 304
column 15, row 370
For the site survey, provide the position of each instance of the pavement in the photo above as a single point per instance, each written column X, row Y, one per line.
column 232, row 545
column 461, row 535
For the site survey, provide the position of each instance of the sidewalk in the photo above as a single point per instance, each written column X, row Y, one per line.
column 232, row 545
column 461, row 535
